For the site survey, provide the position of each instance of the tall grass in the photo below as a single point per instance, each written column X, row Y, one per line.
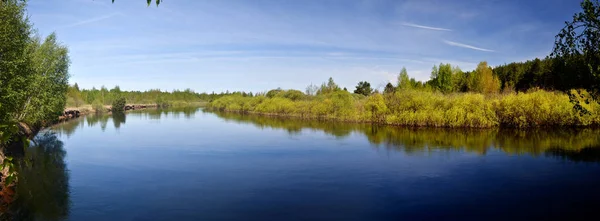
column 536, row 108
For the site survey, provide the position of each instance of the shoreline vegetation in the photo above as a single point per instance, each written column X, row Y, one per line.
column 75, row 112
column 425, row 108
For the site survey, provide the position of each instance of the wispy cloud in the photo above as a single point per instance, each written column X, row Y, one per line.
column 91, row 20
column 425, row 27
column 452, row 43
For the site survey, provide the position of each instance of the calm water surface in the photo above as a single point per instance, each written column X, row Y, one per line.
column 190, row 164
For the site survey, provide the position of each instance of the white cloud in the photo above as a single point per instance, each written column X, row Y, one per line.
column 452, row 43
column 425, row 27
column 91, row 20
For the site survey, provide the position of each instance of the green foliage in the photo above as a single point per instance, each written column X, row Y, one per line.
column 459, row 80
column 98, row 106
column 330, row 87
column 9, row 167
column 274, row 92
column 293, row 95
column 46, row 93
column 15, row 62
column 161, row 98
column 389, row 89
column 403, row 80
column 536, row 109
column 580, row 38
column 483, row 80
column 376, row 108
column 441, row 78
column 33, row 74
column 586, row 107
column 118, row 104
column 363, row 88
column 422, row 108
column 161, row 102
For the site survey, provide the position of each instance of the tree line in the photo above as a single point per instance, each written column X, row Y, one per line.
column 77, row 97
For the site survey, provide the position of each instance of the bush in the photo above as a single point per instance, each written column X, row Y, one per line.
column 293, row 95
column 586, row 108
column 376, row 108
column 536, row 108
column 273, row 93
column 98, row 106
column 118, row 104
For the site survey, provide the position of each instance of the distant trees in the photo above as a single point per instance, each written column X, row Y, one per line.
column 389, row 89
column 459, row 80
column 312, row 89
column 328, row 87
column 363, row 88
column 487, row 83
column 483, row 80
column 441, row 78
column 403, row 80
column 103, row 96
column 74, row 96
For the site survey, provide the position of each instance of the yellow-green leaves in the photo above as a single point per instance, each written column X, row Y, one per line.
column 430, row 109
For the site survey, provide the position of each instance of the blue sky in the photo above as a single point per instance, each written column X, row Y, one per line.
column 256, row 45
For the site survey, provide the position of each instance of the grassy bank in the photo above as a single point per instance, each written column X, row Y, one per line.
column 535, row 108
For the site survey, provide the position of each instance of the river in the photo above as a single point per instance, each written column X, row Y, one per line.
column 191, row 164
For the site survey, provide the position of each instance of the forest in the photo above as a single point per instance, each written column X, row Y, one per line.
column 77, row 97
column 559, row 90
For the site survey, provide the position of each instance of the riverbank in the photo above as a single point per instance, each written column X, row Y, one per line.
column 75, row 112
column 421, row 108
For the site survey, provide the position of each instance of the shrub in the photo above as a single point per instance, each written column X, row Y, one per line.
column 118, row 104
column 586, row 108
column 273, row 93
column 536, row 108
column 98, row 106
column 376, row 108
column 293, row 95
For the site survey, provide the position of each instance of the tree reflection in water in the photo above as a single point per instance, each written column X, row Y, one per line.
column 570, row 144
column 42, row 191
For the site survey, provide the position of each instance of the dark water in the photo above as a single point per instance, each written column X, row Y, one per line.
column 193, row 165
